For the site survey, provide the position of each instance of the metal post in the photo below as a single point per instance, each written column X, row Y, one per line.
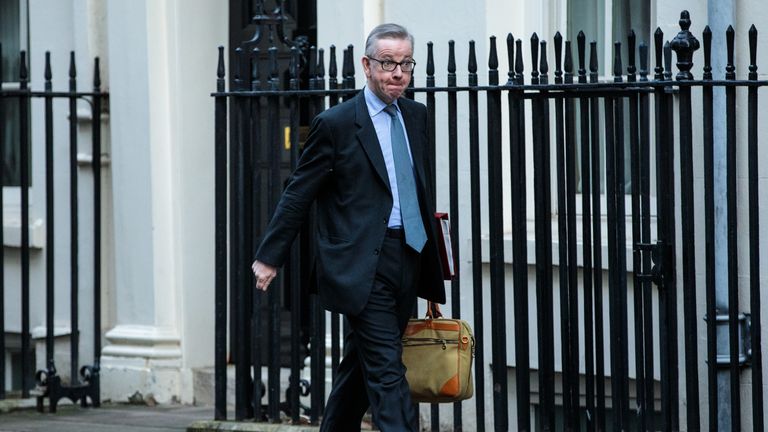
column 720, row 13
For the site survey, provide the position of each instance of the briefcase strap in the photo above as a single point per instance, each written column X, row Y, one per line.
column 433, row 310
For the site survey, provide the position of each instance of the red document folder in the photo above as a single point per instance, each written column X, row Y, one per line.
column 444, row 246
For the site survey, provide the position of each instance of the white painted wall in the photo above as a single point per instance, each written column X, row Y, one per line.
column 163, row 127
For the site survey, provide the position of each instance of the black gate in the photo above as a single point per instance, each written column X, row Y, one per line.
column 17, row 104
column 607, row 159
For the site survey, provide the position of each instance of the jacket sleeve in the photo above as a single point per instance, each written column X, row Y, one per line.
column 314, row 167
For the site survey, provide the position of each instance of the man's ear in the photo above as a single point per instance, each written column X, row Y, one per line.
column 366, row 66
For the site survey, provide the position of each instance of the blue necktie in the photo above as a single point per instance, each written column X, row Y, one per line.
column 415, row 236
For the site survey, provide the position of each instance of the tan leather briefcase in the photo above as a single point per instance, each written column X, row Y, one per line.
column 437, row 353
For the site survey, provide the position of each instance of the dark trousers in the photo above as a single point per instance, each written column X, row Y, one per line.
column 371, row 372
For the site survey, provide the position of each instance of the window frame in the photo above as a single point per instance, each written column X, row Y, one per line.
column 11, row 194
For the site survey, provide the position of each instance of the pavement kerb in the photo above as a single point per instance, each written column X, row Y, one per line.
column 224, row 426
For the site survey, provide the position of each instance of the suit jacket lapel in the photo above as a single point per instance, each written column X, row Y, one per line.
column 414, row 130
column 366, row 134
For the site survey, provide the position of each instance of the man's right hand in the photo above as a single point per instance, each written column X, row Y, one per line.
column 264, row 274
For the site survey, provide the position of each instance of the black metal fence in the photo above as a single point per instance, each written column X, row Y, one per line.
column 595, row 143
column 84, row 381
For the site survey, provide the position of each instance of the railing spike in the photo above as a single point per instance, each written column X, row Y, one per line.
column 220, row 66
column 558, row 57
column 72, row 67
column 707, row 39
column 643, row 61
column 519, row 66
column 472, row 64
column 730, row 69
column 320, row 64
column 658, row 40
column 351, row 60
column 332, row 68
column 593, row 65
column 493, row 63
column 311, row 63
column 451, row 63
column 543, row 63
column 667, row 61
column 48, row 73
column 753, row 52
column 96, row 74
column 568, row 63
column 582, row 49
column 493, row 59
column 631, row 68
column 451, row 57
column 344, row 63
column 534, row 58
column 23, row 72
column 510, row 58
column 430, row 61
column 617, row 68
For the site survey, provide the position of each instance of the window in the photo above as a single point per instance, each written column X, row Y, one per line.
column 13, row 39
column 594, row 18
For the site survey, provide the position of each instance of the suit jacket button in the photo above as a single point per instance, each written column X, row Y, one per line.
column 375, row 251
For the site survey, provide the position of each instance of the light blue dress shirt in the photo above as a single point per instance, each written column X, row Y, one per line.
column 382, row 123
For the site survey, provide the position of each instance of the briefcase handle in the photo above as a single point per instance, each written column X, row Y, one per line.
column 433, row 310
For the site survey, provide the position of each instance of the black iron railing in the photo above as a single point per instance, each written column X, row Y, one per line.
column 84, row 381
column 603, row 144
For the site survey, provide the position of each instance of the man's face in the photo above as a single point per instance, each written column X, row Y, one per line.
column 388, row 86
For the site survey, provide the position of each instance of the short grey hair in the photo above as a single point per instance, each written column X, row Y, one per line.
column 385, row 31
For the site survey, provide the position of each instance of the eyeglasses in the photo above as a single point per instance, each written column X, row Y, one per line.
column 389, row 65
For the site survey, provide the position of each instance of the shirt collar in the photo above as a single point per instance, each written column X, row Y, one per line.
column 374, row 104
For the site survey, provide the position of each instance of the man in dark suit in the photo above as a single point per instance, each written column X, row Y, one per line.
column 366, row 166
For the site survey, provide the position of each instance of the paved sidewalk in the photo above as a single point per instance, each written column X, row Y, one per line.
column 108, row 418
column 128, row 418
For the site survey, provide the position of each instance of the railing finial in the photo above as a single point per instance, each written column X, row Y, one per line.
column 658, row 42
column 543, row 63
column 707, row 38
column 430, row 60
column 519, row 67
column 753, row 53
column 617, row 68
column 510, row 58
column 730, row 69
column 593, row 67
column 631, row 67
column 581, row 40
column 684, row 44
column 493, row 63
column 558, row 58
column 72, row 67
column 472, row 64
column 48, row 75
column 451, row 63
column 534, row 58
column 568, row 63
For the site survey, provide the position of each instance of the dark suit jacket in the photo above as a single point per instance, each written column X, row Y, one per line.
column 342, row 169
